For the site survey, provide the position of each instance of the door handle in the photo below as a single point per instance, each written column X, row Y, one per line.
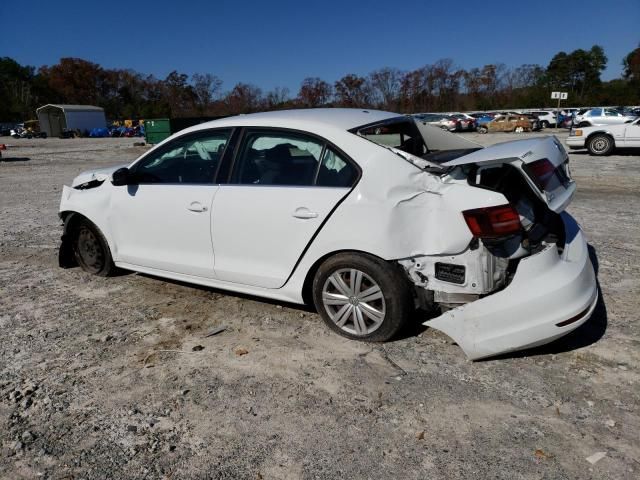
column 304, row 213
column 196, row 207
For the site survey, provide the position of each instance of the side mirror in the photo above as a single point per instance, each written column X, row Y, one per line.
column 120, row 177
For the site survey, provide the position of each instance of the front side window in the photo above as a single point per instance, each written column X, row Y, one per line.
column 274, row 158
column 191, row 159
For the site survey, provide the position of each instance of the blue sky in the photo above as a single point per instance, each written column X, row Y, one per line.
column 278, row 43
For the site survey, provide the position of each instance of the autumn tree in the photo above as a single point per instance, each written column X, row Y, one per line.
column 314, row 92
column 244, row 98
column 352, row 91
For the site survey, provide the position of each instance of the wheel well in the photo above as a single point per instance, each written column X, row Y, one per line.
column 307, row 286
column 71, row 219
column 591, row 135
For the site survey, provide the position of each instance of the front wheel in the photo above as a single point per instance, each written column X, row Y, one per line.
column 362, row 297
column 600, row 145
column 91, row 250
column 519, row 129
column 482, row 129
column 545, row 124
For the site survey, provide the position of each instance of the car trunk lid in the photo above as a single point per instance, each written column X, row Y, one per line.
column 543, row 162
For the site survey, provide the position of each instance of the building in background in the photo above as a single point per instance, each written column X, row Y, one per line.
column 55, row 119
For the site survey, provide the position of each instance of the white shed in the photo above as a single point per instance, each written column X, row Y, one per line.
column 56, row 118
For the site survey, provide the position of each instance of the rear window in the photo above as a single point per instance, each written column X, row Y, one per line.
column 402, row 135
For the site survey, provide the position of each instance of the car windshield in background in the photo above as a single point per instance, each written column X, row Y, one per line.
column 417, row 139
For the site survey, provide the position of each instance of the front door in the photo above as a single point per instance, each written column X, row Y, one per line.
column 163, row 219
column 282, row 187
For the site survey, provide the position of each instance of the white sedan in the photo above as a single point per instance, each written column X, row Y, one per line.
column 603, row 140
column 366, row 214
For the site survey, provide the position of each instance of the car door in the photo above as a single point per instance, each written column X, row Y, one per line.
column 162, row 220
column 632, row 134
column 282, row 187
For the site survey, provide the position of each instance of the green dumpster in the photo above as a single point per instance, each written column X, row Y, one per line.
column 156, row 130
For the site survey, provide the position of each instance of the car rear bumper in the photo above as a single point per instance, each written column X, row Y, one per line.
column 550, row 295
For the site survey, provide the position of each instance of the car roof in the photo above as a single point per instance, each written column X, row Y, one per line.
column 311, row 119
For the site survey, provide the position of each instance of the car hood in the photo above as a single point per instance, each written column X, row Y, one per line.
column 100, row 174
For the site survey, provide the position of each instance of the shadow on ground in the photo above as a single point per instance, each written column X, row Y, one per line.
column 14, row 159
column 623, row 152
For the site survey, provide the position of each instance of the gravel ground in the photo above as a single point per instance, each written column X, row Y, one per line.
column 99, row 378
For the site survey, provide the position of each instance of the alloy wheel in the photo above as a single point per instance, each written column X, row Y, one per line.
column 354, row 301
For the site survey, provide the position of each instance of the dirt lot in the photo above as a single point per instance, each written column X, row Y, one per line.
column 98, row 377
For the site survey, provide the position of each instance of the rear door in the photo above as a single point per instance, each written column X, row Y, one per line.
column 282, row 187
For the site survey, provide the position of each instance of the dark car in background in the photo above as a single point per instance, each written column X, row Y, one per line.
column 467, row 122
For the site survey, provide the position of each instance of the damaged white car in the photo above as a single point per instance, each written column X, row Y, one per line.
column 366, row 214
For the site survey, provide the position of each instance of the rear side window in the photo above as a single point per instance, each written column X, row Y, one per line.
column 290, row 158
column 335, row 171
column 273, row 158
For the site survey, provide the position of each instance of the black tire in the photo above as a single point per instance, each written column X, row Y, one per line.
column 91, row 249
column 584, row 124
column 600, row 145
column 544, row 124
column 396, row 299
column 483, row 129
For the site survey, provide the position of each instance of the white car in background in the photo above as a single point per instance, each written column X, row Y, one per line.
column 602, row 140
column 601, row 116
column 365, row 214
column 546, row 119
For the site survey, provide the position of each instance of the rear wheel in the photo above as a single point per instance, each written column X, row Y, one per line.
column 519, row 129
column 482, row 129
column 600, row 145
column 362, row 297
column 545, row 124
column 91, row 250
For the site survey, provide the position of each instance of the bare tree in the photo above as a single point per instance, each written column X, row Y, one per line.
column 244, row 98
column 314, row 92
column 385, row 86
column 206, row 88
column 277, row 97
column 353, row 91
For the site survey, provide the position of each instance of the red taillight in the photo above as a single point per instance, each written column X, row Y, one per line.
column 542, row 170
column 493, row 222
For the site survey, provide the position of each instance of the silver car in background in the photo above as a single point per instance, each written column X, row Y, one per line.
column 601, row 116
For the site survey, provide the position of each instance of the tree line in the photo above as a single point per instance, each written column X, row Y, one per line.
column 440, row 86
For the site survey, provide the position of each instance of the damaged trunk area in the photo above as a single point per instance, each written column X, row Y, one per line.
column 503, row 235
